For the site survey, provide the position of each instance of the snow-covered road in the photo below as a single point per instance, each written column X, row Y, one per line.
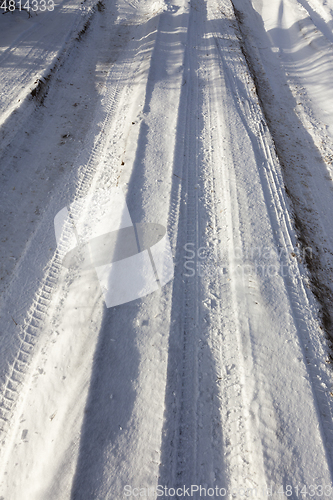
column 179, row 114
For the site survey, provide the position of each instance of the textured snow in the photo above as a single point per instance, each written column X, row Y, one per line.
column 149, row 114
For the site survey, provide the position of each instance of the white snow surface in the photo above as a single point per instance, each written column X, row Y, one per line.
column 201, row 121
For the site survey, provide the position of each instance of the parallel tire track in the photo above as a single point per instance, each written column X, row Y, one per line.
column 299, row 282
column 207, row 431
column 21, row 365
column 278, row 212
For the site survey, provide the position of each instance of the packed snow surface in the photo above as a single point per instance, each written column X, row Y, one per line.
column 166, row 251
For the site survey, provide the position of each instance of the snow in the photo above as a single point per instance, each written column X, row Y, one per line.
column 31, row 46
column 218, row 128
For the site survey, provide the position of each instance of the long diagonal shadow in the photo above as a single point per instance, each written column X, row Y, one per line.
column 115, row 372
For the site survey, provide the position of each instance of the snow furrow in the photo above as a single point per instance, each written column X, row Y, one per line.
column 280, row 223
column 187, row 390
column 216, row 380
column 29, row 334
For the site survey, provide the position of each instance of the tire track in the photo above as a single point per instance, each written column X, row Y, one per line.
column 242, row 436
column 182, row 440
column 205, row 430
column 14, row 390
column 306, row 337
column 299, row 286
column 186, row 461
column 297, row 154
column 243, row 457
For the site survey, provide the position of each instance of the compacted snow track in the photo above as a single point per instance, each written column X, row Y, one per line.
column 217, row 380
